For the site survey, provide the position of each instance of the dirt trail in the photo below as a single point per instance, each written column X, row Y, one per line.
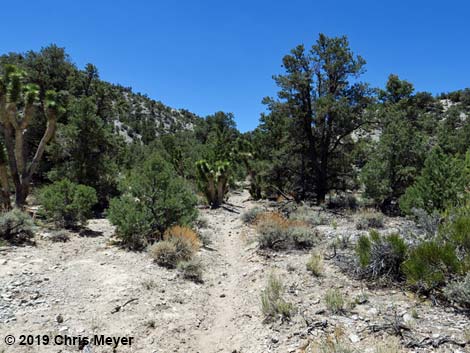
column 74, row 289
column 223, row 331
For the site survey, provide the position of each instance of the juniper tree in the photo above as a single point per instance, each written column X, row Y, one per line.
column 404, row 125
column 325, row 104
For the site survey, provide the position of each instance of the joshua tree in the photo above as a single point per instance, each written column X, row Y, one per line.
column 214, row 180
column 18, row 103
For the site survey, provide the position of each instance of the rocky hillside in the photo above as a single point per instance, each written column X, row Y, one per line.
column 138, row 117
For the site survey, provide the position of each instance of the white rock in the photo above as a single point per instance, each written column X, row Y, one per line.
column 407, row 318
column 354, row 338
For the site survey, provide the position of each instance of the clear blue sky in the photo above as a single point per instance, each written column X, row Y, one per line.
column 207, row 56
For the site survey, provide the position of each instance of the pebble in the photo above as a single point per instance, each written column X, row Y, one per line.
column 407, row 318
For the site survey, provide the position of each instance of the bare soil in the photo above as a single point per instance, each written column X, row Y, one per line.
column 88, row 286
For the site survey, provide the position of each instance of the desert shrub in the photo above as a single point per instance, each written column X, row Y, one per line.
column 278, row 233
column 267, row 218
column 205, row 237
column 201, row 223
column 16, row 227
column 315, row 264
column 184, row 233
column 429, row 264
column 458, row 292
column 251, row 215
column 59, row 236
column 309, row 216
column 334, row 301
column 164, row 253
column 456, row 230
column 429, row 222
column 272, row 231
column 131, row 221
column 342, row 241
column 154, row 199
column 191, row 270
column 272, row 236
column 342, row 201
column 370, row 220
column 381, row 256
column 300, row 237
column 273, row 304
column 275, row 237
column 67, row 203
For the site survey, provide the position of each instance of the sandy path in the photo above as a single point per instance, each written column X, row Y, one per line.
column 223, row 332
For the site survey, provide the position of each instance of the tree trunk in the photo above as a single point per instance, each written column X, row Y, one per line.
column 5, row 193
column 21, row 193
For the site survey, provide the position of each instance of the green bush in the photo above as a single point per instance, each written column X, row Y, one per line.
column 381, row 256
column 16, row 227
column 441, row 184
column 429, row 265
column 67, row 203
column 154, row 199
column 456, row 230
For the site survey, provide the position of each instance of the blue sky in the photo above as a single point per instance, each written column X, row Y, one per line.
column 207, row 56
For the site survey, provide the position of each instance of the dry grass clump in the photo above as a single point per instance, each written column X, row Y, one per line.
column 315, row 264
column 335, row 301
column 177, row 251
column 191, row 270
column 266, row 218
column 184, row 233
column 168, row 253
column 273, row 304
column 164, row 253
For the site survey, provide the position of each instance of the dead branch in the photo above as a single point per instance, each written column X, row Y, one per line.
column 434, row 342
column 119, row 307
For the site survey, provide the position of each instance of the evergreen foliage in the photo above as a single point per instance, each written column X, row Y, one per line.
column 154, row 199
column 66, row 203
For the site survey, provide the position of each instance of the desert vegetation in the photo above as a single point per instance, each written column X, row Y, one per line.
column 344, row 197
